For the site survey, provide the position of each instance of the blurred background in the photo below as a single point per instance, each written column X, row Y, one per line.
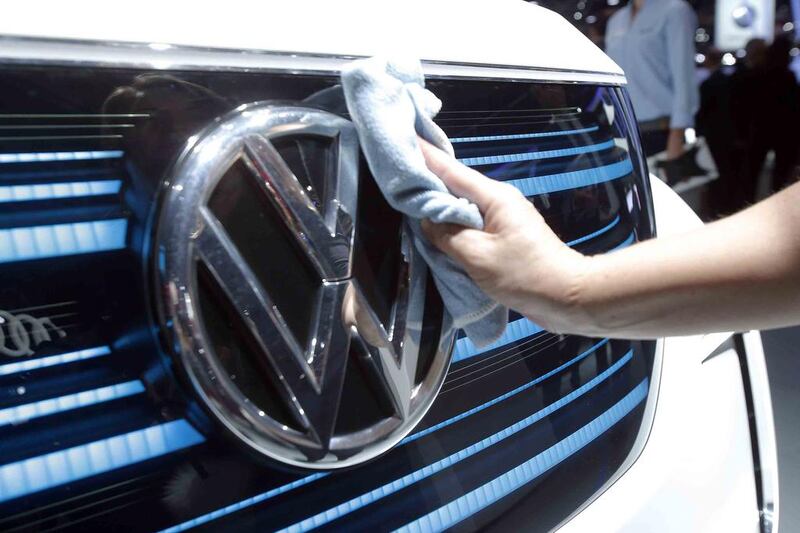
column 724, row 24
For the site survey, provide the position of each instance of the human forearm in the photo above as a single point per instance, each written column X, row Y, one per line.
column 739, row 273
column 675, row 143
column 736, row 274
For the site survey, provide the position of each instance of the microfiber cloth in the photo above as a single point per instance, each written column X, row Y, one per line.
column 390, row 107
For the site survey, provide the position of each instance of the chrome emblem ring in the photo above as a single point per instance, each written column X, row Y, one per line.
column 301, row 421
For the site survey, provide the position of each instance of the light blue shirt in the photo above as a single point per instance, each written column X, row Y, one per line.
column 656, row 50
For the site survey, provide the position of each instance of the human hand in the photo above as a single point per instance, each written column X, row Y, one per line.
column 516, row 259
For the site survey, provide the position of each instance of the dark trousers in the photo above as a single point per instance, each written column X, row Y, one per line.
column 654, row 142
column 732, row 190
column 786, row 157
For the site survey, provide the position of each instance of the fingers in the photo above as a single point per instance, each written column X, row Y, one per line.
column 460, row 179
column 458, row 242
column 354, row 314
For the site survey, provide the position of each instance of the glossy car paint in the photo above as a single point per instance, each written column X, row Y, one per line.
column 505, row 33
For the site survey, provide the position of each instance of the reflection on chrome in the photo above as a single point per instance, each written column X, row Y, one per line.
column 308, row 366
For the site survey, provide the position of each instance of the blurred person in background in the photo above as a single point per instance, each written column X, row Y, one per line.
column 715, row 122
column 755, row 55
column 747, row 95
column 653, row 42
column 769, row 102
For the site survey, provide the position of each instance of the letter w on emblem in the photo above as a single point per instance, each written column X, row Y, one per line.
column 310, row 373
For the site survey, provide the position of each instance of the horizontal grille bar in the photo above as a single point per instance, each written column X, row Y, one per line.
column 594, row 234
column 60, row 137
column 52, row 191
column 65, row 466
column 572, row 180
column 99, row 126
column 73, row 115
column 516, row 330
column 535, row 156
column 244, row 504
column 545, row 111
column 48, row 157
column 452, row 459
column 517, row 136
column 22, row 413
column 624, row 244
column 53, row 360
column 254, row 500
column 40, row 242
column 482, row 497
column 507, row 395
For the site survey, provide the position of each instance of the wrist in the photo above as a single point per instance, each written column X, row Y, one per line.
column 579, row 305
column 561, row 304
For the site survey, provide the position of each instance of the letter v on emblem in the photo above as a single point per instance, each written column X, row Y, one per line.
column 284, row 326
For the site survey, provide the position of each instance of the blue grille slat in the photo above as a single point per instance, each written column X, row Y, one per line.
column 517, row 136
column 22, row 413
column 238, row 506
column 572, row 180
column 624, row 244
column 515, row 331
column 597, row 233
column 505, row 396
column 202, row 519
column 55, row 240
column 452, row 459
column 485, row 495
column 49, row 157
column 53, row 360
column 50, row 470
column 52, row 191
column 535, row 156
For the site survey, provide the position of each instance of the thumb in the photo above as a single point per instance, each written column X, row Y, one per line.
column 460, row 179
column 458, row 242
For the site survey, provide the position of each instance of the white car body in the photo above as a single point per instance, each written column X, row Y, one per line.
column 696, row 470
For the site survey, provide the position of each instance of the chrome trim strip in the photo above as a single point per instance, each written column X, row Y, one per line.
column 763, row 427
column 34, row 50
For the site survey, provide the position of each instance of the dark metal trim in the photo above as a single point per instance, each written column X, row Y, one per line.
column 765, row 522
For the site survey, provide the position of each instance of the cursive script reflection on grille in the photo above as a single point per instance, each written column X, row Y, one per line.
column 21, row 333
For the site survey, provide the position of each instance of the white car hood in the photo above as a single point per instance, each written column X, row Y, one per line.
column 507, row 33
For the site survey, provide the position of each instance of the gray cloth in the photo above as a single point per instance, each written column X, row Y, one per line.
column 390, row 106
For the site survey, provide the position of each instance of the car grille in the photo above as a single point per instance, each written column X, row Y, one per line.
column 98, row 425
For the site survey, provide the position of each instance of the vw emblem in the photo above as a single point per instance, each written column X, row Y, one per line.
column 261, row 296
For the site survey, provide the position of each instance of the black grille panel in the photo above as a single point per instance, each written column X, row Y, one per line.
column 82, row 156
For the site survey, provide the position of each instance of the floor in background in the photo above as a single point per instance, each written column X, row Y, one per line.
column 782, row 350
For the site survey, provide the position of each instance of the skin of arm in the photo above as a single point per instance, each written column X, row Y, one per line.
column 675, row 142
column 739, row 273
